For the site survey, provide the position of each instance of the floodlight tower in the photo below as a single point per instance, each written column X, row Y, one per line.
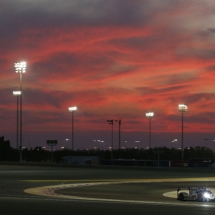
column 111, row 123
column 17, row 94
column 67, row 142
column 174, row 140
column 206, row 141
column 29, row 142
column 20, row 68
column 72, row 109
column 182, row 108
column 149, row 115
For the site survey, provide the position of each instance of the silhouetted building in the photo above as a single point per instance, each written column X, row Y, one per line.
column 5, row 149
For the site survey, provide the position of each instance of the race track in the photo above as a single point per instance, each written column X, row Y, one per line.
column 96, row 189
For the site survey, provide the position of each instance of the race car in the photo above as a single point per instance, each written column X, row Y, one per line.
column 201, row 194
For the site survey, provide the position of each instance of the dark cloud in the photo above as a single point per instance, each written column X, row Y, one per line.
column 211, row 30
column 157, row 91
column 46, row 13
column 200, row 98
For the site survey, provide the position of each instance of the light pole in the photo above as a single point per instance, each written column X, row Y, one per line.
column 206, row 141
column 29, row 143
column 67, row 142
column 72, row 109
column 17, row 94
column 149, row 115
column 137, row 142
column 51, row 143
column 20, row 68
column 102, row 143
column 120, row 121
column 174, row 140
column 124, row 146
column 111, row 123
column 158, row 152
column 182, row 108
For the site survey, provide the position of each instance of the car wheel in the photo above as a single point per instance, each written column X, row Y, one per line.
column 200, row 197
column 183, row 196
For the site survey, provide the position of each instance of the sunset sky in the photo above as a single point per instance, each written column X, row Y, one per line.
column 113, row 59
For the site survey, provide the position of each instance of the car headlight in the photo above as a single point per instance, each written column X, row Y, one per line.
column 206, row 195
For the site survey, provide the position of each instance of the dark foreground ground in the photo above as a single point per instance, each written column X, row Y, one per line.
column 15, row 179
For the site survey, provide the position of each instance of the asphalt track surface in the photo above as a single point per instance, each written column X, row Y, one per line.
column 59, row 190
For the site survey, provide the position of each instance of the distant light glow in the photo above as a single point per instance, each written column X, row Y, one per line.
column 72, row 108
column 17, row 93
column 182, row 107
column 149, row 114
column 20, row 67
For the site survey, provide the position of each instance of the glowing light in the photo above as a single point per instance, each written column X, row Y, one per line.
column 149, row 114
column 20, row 67
column 182, row 107
column 72, row 108
column 17, row 93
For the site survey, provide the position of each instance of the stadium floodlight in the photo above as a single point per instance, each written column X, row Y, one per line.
column 149, row 115
column 182, row 108
column 17, row 93
column 67, row 140
column 20, row 68
column 72, row 109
